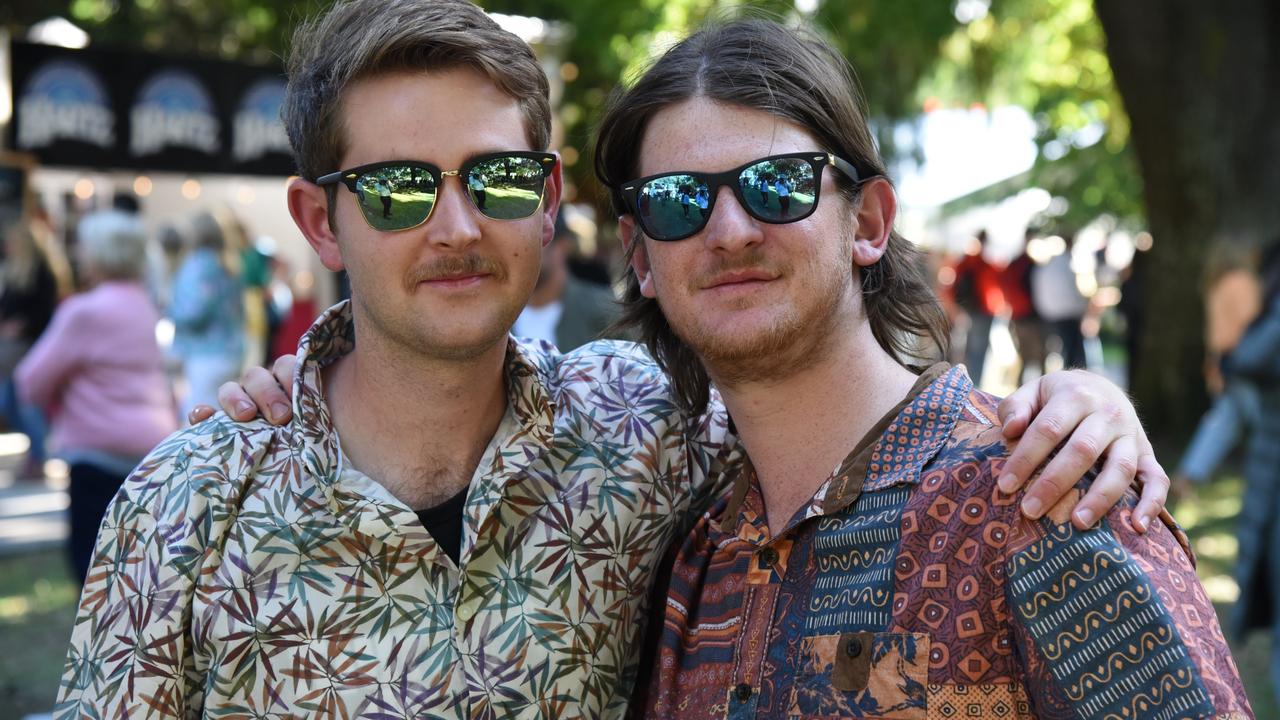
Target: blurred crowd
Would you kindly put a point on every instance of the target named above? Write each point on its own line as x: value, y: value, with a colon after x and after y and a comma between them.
x: 1047, y: 303
x: 106, y: 341
x: 1053, y: 301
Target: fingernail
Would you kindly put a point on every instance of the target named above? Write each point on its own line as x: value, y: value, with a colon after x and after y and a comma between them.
x: 1085, y: 517
x: 1143, y: 522
x: 1031, y: 507
x: 244, y: 407
x: 279, y: 410
x: 1008, y: 482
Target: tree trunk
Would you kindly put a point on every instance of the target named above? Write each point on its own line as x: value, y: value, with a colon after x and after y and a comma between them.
x: 1201, y: 85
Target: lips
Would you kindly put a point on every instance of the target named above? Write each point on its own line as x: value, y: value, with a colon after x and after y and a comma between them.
x: 738, y: 277
x: 454, y: 281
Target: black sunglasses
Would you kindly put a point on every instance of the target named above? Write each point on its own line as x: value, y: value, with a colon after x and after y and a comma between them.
x: 400, y: 194
x: 775, y: 189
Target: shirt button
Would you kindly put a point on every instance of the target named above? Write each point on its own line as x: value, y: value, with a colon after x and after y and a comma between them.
x: 854, y: 648
x: 467, y: 610
x: 768, y: 556
x: 742, y: 692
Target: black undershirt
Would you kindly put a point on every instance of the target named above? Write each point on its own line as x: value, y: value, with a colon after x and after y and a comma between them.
x: 444, y: 522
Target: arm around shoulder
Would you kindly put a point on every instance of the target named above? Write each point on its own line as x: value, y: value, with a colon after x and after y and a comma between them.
x: 1113, y: 623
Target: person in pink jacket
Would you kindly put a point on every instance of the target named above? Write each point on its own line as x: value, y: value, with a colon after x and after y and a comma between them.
x: 97, y: 371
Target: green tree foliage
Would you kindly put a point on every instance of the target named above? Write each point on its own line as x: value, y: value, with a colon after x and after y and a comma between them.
x: 1049, y: 56
x: 249, y: 30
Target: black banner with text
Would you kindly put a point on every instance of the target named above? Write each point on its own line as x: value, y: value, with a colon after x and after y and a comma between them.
x: 110, y: 109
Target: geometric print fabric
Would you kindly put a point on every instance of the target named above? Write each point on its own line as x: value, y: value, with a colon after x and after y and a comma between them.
x: 926, y: 530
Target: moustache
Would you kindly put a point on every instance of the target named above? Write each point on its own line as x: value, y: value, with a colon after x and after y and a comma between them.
x: 453, y: 266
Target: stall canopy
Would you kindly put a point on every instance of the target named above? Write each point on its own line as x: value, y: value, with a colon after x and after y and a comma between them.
x: 115, y: 109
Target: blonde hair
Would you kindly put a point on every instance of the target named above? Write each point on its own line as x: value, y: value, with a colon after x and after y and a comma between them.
x: 29, y: 245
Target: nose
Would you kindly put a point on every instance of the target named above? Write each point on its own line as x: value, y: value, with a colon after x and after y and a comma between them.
x: 454, y: 223
x: 730, y: 228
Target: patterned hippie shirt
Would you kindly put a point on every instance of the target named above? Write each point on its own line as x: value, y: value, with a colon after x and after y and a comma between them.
x: 912, y: 588
x: 239, y: 573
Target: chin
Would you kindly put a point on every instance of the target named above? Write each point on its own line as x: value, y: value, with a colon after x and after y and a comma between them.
x: 460, y: 338
x: 735, y: 344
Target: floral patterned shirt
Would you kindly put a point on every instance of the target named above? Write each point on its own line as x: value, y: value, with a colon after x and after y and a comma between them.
x: 912, y: 588
x: 241, y: 573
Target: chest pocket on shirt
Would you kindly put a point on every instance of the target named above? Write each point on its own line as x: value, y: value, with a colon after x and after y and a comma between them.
x: 863, y: 674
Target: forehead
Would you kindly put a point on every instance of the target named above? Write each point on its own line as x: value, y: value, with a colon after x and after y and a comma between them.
x: 440, y: 116
x: 707, y: 135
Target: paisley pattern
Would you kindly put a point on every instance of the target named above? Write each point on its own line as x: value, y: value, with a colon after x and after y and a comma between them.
x: 911, y: 587
x: 240, y: 573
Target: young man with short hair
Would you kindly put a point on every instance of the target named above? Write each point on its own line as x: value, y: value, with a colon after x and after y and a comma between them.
x: 481, y: 546
x: 902, y: 583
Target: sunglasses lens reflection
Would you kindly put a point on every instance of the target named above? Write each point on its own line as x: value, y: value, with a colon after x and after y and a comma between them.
x: 396, y: 197
x: 673, y: 206
x: 506, y: 188
x: 779, y: 191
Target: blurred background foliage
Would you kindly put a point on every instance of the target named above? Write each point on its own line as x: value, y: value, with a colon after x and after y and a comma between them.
x: 911, y: 55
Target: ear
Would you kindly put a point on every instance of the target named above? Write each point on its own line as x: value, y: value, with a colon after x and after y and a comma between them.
x: 551, y: 202
x: 877, y: 208
x: 628, y: 234
x: 309, y: 206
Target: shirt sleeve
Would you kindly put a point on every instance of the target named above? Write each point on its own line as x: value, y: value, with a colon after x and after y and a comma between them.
x: 132, y: 651
x: 57, y: 355
x: 1110, y: 623
x: 713, y: 457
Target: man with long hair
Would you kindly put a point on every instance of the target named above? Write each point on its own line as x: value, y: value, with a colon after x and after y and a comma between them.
x: 867, y: 562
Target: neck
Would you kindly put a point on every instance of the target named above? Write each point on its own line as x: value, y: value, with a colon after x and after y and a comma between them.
x: 797, y: 429
x: 416, y: 424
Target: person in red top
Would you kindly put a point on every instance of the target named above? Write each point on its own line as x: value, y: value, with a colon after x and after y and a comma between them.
x: 1015, y: 286
x: 976, y: 291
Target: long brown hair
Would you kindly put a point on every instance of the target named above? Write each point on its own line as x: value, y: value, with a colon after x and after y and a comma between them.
x: 793, y: 74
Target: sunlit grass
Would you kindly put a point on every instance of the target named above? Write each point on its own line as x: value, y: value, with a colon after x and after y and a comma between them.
x: 1220, y: 546
x: 37, y: 608
x: 1205, y: 509
x: 1209, y: 517
x: 42, y: 596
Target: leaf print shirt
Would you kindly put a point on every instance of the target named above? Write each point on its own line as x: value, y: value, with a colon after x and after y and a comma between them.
x: 241, y: 572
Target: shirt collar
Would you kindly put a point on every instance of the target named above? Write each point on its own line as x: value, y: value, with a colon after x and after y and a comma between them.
x: 893, y: 451
x: 528, y: 371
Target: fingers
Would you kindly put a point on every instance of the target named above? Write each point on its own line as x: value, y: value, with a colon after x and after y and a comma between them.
x: 267, y: 394
x: 235, y: 402
x: 199, y: 414
x: 1110, y: 485
x: 283, y: 371
x: 1016, y: 410
x: 1046, y: 431
x: 1155, y: 487
x: 1073, y: 460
